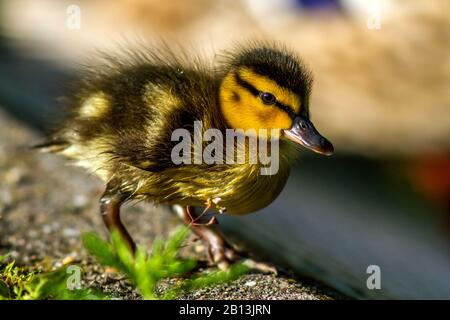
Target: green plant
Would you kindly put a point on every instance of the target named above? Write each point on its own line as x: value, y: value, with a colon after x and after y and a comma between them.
x: 13, y: 279
x: 23, y: 284
x: 146, y: 271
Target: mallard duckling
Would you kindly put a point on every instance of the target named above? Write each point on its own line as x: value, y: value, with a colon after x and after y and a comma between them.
x: 124, y: 115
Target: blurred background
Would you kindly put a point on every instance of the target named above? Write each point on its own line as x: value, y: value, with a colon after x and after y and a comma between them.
x: 381, y: 95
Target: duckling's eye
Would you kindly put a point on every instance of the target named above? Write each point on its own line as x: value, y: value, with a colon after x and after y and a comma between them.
x: 268, y: 98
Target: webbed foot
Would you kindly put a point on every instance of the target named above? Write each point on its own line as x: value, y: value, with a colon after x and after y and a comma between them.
x: 218, y: 251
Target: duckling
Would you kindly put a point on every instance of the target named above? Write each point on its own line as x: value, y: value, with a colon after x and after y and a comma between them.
x: 124, y: 112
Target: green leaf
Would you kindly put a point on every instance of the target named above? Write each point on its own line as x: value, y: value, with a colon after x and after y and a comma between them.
x: 4, y: 290
x: 175, y: 242
x: 100, y: 249
x: 3, y: 257
x: 123, y: 253
x: 209, y: 279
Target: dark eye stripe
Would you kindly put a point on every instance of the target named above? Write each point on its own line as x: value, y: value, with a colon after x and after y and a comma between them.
x: 246, y: 85
x: 257, y: 93
x: 286, y: 109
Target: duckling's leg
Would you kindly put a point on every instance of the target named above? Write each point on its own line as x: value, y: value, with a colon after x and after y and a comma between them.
x: 218, y: 251
x: 110, y: 203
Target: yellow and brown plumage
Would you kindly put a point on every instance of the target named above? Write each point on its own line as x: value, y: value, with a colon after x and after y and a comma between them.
x: 125, y: 111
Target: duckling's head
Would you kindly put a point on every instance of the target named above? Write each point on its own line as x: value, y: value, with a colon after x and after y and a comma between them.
x: 265, y: 87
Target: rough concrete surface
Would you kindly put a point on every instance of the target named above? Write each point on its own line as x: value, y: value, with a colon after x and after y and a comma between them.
x: 46, y: 205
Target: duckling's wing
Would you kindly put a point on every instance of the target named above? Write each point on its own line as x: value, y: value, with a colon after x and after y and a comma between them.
x: 125, y: 109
